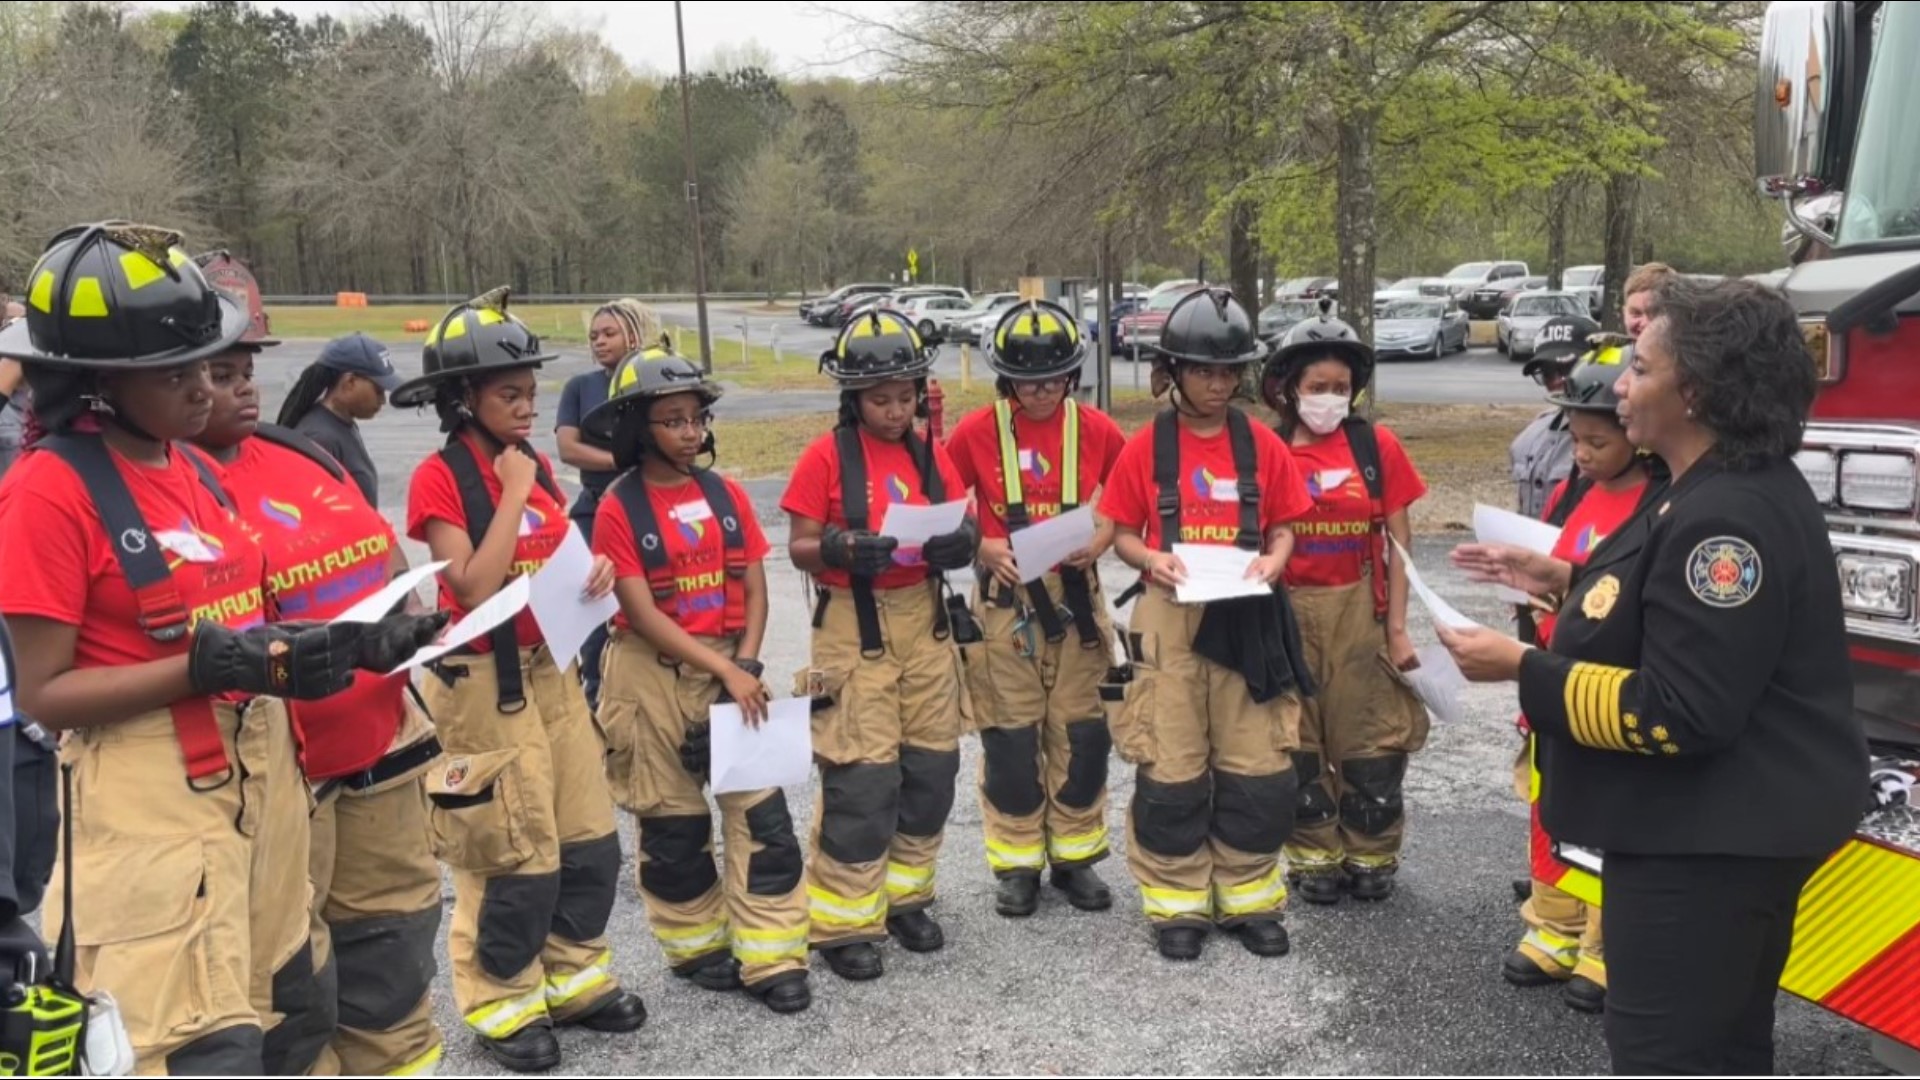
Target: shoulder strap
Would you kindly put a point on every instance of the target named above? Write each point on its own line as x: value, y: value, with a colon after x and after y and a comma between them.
x: 1246, y: 466
x: 1070, y: 455
x: 294, y: 440
x: 1166, y: 475
x: 1365, y: 444
x: 714, y: 488
x: 931, y: 482
x: 853, y: 476
x: 631, y: 490
x: 1010, y: 465
x: 1578, y: 485
x: 478, y: 507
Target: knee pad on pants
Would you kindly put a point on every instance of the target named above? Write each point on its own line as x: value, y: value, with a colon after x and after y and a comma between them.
x: 1171, y: 819
x: 516, y: 911
x: 309, y: 1018
x: 589, y: 876
x: 775, y: 869
x: 385, y: 968
x: 234, y: 1051
x: 926, y: 790
x: 1371, y: 802
x: 1088, y: 745
x: 859, y: 808
x: 1254, y: 814
x: 1315, y: 805
x: 1013, y: 770
x: 678, y: 867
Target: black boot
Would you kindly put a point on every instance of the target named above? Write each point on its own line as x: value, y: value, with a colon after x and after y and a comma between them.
x: 855, y: 963
x: 1371, y: 886
x: 1323, y: 887
x: 784, y: 993
x: 1584, y: 995
x: 916, y: 932
x: 532, y: 1049
x: 1018, y: 895
x: 1083, y: 887
x: 1520, y: 970
x: 1522, y: 890
x: 1181, y: 942
x: 1263, y: 937
x: 621, y: 1014
x: 720, y: 973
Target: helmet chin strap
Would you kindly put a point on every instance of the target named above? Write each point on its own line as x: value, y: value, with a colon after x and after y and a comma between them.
x: 105, y: 409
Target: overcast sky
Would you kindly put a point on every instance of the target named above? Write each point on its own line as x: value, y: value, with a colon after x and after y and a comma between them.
x: 803, y: 37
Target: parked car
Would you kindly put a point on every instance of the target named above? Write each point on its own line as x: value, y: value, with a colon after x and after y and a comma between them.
x: 1128, y: 290
x: 1280, y: 316
x: 1142, y: 328
x: 1304, y: 288
x: 972, y: 326
x: 1589, y: 283
x: 1121, y: 309
x: 1408, y: 288
x: 1333, y: 291
x: 1467, y: 280
x: 818, y: 311
x: 1182, y: 286
x: 1424, y: 327
x: 1520, y: 323
x: 930, y: 312
x: 1492, y: 298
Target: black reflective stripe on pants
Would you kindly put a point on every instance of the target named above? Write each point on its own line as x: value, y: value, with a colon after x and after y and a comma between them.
x: 678, y: 864
x: 775, y: 869
x: 1089, y: 745
x: 589, y: 877
x: 516, y: 911
x: 308, y: 1017
x: 860, y: 807
x: 1254, y: 814
x: 1370, y: 802
x: 926, y: 790
x: 1012, y: 776
x: 386, y: 968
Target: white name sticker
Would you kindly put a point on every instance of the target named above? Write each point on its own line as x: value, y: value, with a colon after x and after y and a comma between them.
x: 187, y: 546
x: 693, y: 511
x: 1226, y: 489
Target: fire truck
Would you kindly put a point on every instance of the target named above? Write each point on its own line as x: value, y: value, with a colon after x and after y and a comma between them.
x: 1837, y: 141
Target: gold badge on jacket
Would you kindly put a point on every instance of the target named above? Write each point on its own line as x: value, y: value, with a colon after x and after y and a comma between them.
x: 1599, y: 600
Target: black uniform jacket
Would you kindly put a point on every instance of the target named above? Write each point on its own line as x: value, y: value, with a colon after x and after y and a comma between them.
x: 1697, y: 697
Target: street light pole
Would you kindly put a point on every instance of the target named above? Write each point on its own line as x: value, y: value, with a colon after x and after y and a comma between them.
x: 693, y: 195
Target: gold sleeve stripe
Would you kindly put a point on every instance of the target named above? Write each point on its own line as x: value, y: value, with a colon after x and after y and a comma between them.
x: 1592, y: 696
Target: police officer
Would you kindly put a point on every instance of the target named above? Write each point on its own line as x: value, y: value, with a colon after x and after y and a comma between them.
x: 1363, y: 721
x: 521, y: 810
x: 885, y: 673
x: 1035, y: 678
x: 1695, y: 709
x: 1213, y: 712
x: 141, y: 625
x: 690, y: 557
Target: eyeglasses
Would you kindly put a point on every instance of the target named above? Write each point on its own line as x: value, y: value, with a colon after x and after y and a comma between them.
x: 1051, y: 386
x: 703, y: 421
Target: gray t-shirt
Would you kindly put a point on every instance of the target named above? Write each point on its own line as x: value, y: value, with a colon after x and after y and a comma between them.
x: 582, y: 393
x: 13, y: 424
x: 341, y: 438
x: 1542, y: 457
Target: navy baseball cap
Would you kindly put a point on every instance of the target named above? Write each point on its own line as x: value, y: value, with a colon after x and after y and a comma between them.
x: 358, y: 354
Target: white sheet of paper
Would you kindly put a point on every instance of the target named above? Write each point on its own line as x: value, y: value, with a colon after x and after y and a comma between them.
x: 1443, y: 613
x: 1216, y: 573
x: 1492, y: 525
x: 565, y: 617
x: 1039, y: 548
x: 914, y: 525
x: 1438, y: 682
x: 505, y: 604
x: 778, y: 754
x: 375, y: 607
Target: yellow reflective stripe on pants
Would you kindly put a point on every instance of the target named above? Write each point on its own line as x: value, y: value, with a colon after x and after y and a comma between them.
x: 1078, y: 848
x: 1561, y: 950
x: 424, y: 1065
x: 1263, y: 894
x: 906, y: 880
x: 683, y: 945
x: 562, y: 990
x: 831, y: 909
x: 1372, y: 862
x: 1002, y: 856
x: 503, y: 1018
x: 770, y: 946
x: 1173, y: 903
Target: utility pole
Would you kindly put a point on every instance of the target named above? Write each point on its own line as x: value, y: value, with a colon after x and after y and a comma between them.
x: 693, y: 195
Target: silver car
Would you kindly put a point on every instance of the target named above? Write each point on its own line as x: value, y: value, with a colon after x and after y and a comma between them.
x: 1429, y: 328
x: 1521, y: 322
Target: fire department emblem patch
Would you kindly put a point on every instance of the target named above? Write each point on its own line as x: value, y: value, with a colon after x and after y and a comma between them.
x: 1724, y: 572
x: 1599, y: 600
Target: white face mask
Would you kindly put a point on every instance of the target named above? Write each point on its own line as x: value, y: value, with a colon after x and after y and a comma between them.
x: 1322, y: 413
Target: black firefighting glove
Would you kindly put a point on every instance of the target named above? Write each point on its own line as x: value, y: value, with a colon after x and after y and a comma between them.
x: 303, y: 661
x: 696, y: 753
x: 864, y: 553
x: 954, y: 550
x: 393, y: 640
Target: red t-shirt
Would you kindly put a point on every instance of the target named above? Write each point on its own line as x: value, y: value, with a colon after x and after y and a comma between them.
x: 1209, y: 499
x: 326, y: 550
x: 892, y: 477
x: 695, y: 547
x: 433, y: 494
x: 1599, y: 515
x: 975, y: 446
x: 1330, y: 543
x: 64, y: 567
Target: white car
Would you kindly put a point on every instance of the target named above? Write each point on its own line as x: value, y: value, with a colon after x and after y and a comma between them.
x: 930, y: 314
x: 1091, y: 297
x: 1408, y: 288
x: 1586, y: 282
x: 1183, y: 285
x: 1520, y: 324
x: 976, y: 324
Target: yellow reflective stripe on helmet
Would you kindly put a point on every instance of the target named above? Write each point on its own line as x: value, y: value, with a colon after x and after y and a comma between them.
x: 490, y: 316
x: 770, y: 946
x: 87, y: 301
x: 140, y: 270
x: 457, y: 327
x: 423, y: 1065
x: 1070, y: 449
x: 178, y: 257
x: 503, y: 1018
x: 904, y: 880
x: 41, y: 295
x: 564, y: 989
x: 626, y: 375
x: 1004, y: 856
x: 1172, y: 903
x: 832, y: 909
x: 1263, y: 894
x: 1009, y: 451
x: 1078, y: 848
x: 686, y: 944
